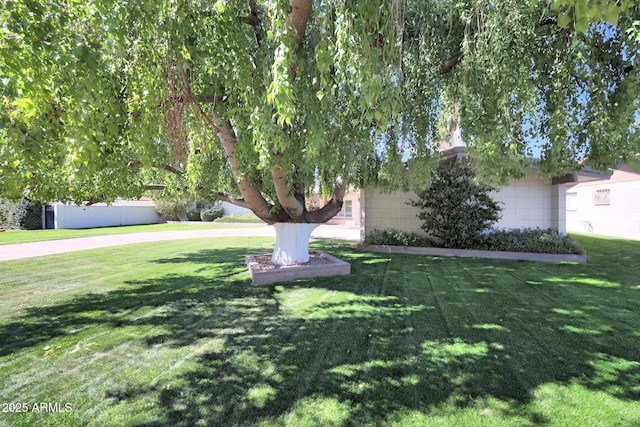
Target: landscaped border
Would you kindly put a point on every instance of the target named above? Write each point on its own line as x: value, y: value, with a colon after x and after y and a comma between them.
x: 472, y: 253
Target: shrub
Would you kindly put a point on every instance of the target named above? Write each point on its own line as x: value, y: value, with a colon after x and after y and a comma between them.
x: 456, y: 208
x: 397, y: 238
x: 25, y: 215
x: 530, y: 240
x: 211, y: 214
x: 173, y: 209
x: 194, y: 215
x: 527, y: 240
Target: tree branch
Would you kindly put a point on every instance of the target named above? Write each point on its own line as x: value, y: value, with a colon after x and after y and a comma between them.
x: 254, y: 20
x: 329, y: 210
x: 211, y: 99
x: 288, y: 201
x: 300, y: 11
x: 250, y: 192
x: 224, y: 197
x: 154, y: 187
x: 191, y: 97
x: 168, y: 168
x: 447, y: 65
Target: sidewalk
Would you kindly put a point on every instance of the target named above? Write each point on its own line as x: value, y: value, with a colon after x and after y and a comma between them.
x: 52, y: 247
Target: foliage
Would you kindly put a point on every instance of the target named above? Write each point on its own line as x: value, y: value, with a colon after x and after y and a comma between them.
x: 255, y: 102
x: 22, y: 215
x: 212, y: 213
x: 173, y: 209
x: 456, y: 208
x: 194, y: 215
x: 393, y: 237
x: 517, y: 240
x: 530, y: 240
x: 580, y: 13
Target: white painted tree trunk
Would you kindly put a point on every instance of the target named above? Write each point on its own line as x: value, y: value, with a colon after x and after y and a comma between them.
x: 292, y: 243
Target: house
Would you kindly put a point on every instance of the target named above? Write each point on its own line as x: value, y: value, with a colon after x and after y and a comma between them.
x: 608, y: 206
x: 350, y: 212
x: 530, y: 202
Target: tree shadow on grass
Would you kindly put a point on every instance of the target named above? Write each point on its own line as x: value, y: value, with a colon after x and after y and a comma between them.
x: 42, y: 324
x: 382, y: 351
x: 401, y: 335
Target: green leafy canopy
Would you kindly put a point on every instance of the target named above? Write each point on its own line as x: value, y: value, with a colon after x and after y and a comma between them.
x: 94, y: 93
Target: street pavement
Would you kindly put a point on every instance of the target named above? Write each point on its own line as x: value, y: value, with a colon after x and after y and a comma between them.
x: 36, y: 249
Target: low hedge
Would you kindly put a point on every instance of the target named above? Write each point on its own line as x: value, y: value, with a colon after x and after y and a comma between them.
x: 194, y: 215
x: 525, y: 240
x: 22, y: 215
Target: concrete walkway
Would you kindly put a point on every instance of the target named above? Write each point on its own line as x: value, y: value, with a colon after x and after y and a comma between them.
x: 35, y: 249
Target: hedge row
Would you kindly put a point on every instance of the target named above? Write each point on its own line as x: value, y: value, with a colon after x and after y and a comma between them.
x: 526, y: 240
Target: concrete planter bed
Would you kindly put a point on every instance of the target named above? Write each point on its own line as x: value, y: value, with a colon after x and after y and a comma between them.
x: 471, y: 253
x: 320, y: 264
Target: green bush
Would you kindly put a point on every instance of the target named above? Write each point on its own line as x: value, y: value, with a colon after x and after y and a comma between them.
x: 392, y: 237
x: 173, y: 209
x: 530, y: 240
x: 527, y: 240
x: 194, y: 215
x: 456, y: 208
x: 211, y: 214
x: 22, y: 215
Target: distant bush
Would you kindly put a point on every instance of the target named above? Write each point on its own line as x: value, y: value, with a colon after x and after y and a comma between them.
x: 240, y: 218
x: 194, y: 215
x: 527, y: 240
x: 173, y: 209
x: 22, y: 215
x: 211, y: 214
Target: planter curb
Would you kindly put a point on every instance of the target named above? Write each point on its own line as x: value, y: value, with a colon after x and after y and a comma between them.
x: 335, y: 267
x: 472, y: 253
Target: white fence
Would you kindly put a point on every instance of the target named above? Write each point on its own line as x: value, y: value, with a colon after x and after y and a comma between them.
x: 102, y: 215
x: 230, y: 209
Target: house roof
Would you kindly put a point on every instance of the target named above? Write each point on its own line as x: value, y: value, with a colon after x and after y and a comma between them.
x: 623, y: 174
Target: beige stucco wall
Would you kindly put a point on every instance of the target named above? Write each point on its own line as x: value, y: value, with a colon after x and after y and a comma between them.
x: 527, y: 203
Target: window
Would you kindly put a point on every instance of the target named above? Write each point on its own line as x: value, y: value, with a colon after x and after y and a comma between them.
x: 602, y: 197
x: 572, y: 201
x: 346, y: 212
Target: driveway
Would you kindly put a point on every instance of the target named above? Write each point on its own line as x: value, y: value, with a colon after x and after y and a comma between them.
x: 52, y: 247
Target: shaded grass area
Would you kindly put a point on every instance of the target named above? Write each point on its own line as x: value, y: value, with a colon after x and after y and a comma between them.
x: 171, y: 333
x: 28, y: 236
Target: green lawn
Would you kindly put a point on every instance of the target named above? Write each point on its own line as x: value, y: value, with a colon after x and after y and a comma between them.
x: 171, y: 333
x: 12, y: 237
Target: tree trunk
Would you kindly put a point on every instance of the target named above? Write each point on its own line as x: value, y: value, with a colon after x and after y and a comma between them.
x: 292, y: 242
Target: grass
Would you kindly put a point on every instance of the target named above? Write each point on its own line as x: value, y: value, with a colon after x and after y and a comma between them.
x: 240, y: 218
x: 20, y: 236
x: 171, y: 333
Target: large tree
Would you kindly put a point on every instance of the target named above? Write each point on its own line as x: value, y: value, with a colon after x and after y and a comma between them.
x: 259, y: 102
